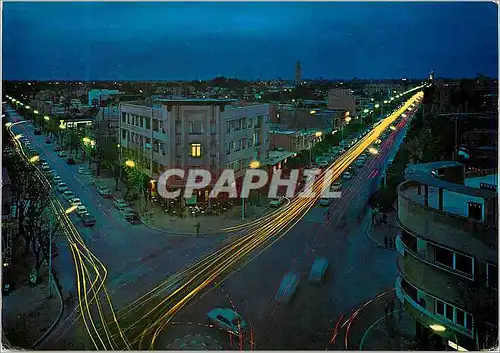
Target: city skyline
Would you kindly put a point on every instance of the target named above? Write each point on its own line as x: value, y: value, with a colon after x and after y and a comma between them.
x: 253, y: 41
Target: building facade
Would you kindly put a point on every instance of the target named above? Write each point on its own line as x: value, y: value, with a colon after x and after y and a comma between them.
x: 293, y: 141
x: 342, y: 99
x: 100, y: 95
x: 211, y: 134
x: 448, y: 255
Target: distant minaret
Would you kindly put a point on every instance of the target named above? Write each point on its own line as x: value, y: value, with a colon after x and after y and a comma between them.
x: 298, y: 72
x: 431, y: 76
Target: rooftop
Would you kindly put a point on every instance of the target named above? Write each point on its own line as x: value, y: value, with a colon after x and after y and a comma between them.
x: 277, y: 156
x: 195, y: 101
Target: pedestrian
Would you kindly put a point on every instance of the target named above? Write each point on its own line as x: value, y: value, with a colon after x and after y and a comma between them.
x: 385, y: 241
x: 390, y: 243
x: 373, y: 218
x: 384, y: 218
x: 198, y: 228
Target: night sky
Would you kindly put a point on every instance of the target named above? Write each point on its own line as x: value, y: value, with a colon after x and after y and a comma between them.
x: 185, y: 41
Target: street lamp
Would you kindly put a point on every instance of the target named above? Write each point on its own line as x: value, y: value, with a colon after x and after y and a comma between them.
x: 35, y: 111
x: 46, y: 118
x: 34, y: 159
x: 386, y: 101
x: 365, y: 111
x: 377, y: 105
x: 254, y: 164
x: 17, y: 137
x: 318, y: 134
x: 130, y: 163
x: 8, y: 124
x: 373, y: 150
x: 28, y: 107
x: 437, y: 328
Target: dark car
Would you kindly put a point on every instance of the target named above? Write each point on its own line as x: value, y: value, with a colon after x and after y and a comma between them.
x: 48, y: 141
x: 131, y: 216
x: 88, y: 219
x: 70, y: 160
x: 38, y: 132
x: 57, y: 148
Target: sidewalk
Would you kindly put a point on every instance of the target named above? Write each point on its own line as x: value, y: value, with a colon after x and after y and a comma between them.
x: 28, y: 312
x: 372, y: 329
x: 379, y: 233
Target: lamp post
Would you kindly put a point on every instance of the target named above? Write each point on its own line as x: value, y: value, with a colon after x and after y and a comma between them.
x: 131, y: 164
x: 51, y: 226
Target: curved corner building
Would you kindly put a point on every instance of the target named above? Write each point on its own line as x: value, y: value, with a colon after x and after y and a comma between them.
x: 448, y: 254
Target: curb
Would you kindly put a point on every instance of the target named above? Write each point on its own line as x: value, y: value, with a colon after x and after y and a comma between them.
x: 179, y: 233
x: 56, y: 321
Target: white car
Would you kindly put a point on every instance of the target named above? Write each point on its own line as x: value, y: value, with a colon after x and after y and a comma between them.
x: 76, y: 202
x: 81, y: 170
x: 347, y: 176
x: 62, y: 187
x: 227, y: 319
x: 56, y: 180
x: 81, y: 210
x: 45, y: 167
x: 62, y: 154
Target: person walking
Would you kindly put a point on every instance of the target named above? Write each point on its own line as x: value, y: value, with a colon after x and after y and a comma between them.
x: 385, y: 241
x: 390, y: 243
x: 198, y: 228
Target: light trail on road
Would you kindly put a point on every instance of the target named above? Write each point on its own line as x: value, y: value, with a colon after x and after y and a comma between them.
x: 265, y: 232
x: 83, y: 260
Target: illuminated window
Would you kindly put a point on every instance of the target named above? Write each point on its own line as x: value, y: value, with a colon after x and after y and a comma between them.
x: 196, y: 150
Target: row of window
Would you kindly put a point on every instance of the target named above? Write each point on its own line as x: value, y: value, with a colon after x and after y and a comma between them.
x: 246, y: 123
x: 242, y: 143
x: 445, y: 310
x: 136, y: 120
x: 238, y: 165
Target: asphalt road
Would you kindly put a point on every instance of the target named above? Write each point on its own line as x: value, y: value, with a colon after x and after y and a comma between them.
x: 358, y: 272
x: 138, y: 258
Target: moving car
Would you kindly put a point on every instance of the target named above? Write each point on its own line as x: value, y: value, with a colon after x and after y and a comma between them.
x: 81, y: 170
x: 288, y: 287
x: 88, y: 219
x: 56, y: 180
x: 276, y: 202
x: 81, y: 210
x: 120, y: 203
x: 318, y: 271
x: 347, y: 176
x: 62, y: 187
x: 70, y: 160
x: 68, y: 195
x: 227, y: 319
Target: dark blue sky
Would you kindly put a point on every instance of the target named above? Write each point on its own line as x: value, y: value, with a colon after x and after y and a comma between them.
x: 176, y: 41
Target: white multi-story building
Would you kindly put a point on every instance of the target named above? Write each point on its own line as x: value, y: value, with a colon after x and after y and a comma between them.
x: 212, y: 134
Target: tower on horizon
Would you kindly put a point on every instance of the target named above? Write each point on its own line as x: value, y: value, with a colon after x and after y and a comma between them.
x: 298, y: 73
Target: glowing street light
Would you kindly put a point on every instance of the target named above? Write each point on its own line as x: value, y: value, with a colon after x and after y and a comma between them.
x: 35, y: 111
x: 71, y: 209
x: 365, y: 111
x: 437, y: 328
x: 8, y: 124
x: 86, y: 140
x: 318, y: 134
x: 28, y: 107
x: 17, y: 137
x: 392, y: 98
x: 377, y: 105
x: 392, y: 127
x: 403, y: 115
x: 313, y: 112
x: 34, y: 159
x: 46, y: 118
x: 254, y: 164
x: 130, y: 163
x: 347, y: 119
x: 373, y: 150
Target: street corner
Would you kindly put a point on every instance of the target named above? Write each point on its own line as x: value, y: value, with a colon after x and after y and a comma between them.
x: 378, y: 324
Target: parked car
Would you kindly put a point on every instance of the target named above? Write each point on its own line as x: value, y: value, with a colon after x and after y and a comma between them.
x: 87, y: 172
x: 276, y: 202
x: 38, y: 132
x: 325, y: 201
x: 45, y: 167
x: 88, y: 219
x: 336, y: 186
x: 120, y: 203
x: 62, y: 187
x: 57, y: 148
x: 287, y: 288
x: 70, y: 160
x: 56, y: 180
x: 360, y: 162
x: 68, y: 195
x: 227, y: 319
x: 76, y: 202
x: 318, y: 271
x: 131, y: 215
x: 81, y: 210
x: 62, y: 154
x: 47, y: 141
x: 347, y: 176
x: 81, y: 170
x: 104, y: 191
